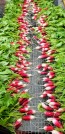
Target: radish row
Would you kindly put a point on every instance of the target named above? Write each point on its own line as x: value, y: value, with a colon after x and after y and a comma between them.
x: 51, y: 106
x: 22, y: 66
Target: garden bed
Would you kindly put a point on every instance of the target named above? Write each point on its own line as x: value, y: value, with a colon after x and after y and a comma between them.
x: 32, y: 67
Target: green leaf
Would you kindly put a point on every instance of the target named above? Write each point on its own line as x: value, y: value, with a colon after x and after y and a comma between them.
x: 59, y: 44
x: 7, y: 71
x: 40, y: 108
x: 25, y: 95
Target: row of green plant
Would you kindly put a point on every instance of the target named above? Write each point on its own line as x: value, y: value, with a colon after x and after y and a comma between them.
x: 9, y: 34
x: 56, y: 36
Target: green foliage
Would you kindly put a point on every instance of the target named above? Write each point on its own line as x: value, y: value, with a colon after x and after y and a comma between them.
x: 8, y: 33
x: 40, y: 108
x: 8, y: 109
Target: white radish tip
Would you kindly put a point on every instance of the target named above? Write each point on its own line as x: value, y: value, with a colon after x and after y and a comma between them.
x: 45, y: 85
x: 60, y: 110
x: 39, y: 57
x: 18, y: 91
x: 39, y: 71
x: 28, y: 67
x: 16, y: 68
x: 48, y: 101
x: 30, y: 99
x: 32, y: 117
x: 19, y: 120
x: 41, y: 96
x: 44, y: 78
x: 47, y: 88
x: 49, y: 119
x: 29, y: 75
x: 20, y: 83
x: 37, y: 67
x: 37, y: 47
x: 24, y: 85
x: 30, y: 63
x: 26, y: 90
x: 45, y: 127
x: 34, y: 111
x: 24, y: 71
x: 48, y: 58
x: 26, y: 108
x: 43, y: 64
x: 42, y: 103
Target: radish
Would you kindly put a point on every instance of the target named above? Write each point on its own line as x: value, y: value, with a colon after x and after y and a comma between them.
x: 45, y: 49
x: 24, y: 91
x: 56, y: 132
x: 49, y: 114
x: 52, y: 114
x: 19, y: 42
x: 45, y: 24
x: 50, y: 100
x: 22, y: 46
x: 22, y: 100
x: 50, y: 61
x: 51, y: 96
x: 14, y: 89
x: 54, y: 103
x: 42, y: 65
x: 18, y: 123
x: 46, y: 79
x: 16, y: 83
x: 45, y: 69
x: 49, y: 92
x: 51, y: 74
x: 40, y: 28
x: 55, y: 122
x: 49, y: 87
x: 24, y: 109
x: 56, y: 114
x: 31, y: 111
x: 23, y: 74
x: 61, y: 110
x: 42, y: 72
x: 39, y: 66
x: 50, y: 58
x: 43, y: 40
x: 26, y: 80
x: 50, y: 68
x: 54, y: 107
x: 28, y: 117
x: 51, y: 52
x: 50, y: 83
x: 34, y: 17
x: 44, y: 94
x: 23, y: 50
x: 48, y: 128
x: 26, y: 102
x: 43, y: 56
x: 15, y: 69
x: 46, y: 107
x: 42, y: 46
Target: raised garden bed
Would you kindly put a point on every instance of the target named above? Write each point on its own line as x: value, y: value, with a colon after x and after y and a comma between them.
x: 32, y: 67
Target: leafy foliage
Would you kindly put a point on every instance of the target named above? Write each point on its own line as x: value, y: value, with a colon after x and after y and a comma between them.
x: 8, y: 33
